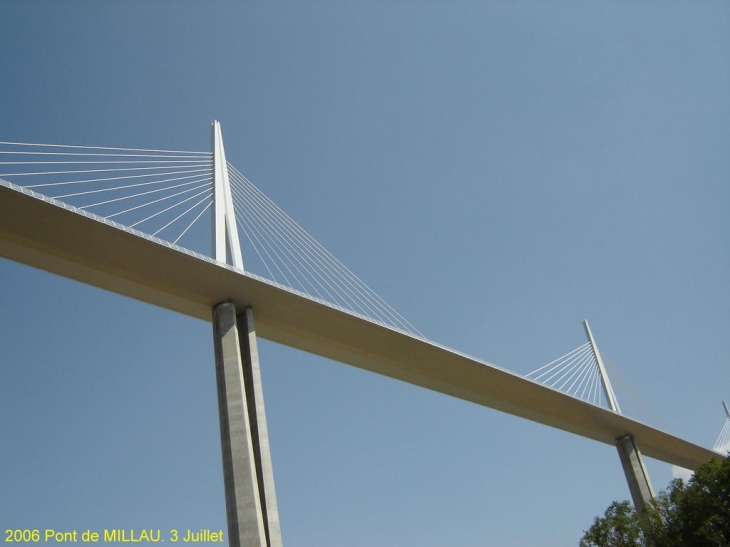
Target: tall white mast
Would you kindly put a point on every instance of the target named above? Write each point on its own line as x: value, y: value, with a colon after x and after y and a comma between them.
x: 226, y: 246
x: 610, y: 395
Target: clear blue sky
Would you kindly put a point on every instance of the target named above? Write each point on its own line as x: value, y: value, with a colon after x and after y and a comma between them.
x: 496, y: 171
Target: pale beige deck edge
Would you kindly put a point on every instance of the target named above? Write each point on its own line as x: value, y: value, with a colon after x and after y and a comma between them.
x: 63, y: 242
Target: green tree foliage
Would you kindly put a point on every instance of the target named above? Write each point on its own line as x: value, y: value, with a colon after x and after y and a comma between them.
x: 691, y: 514
x: 619, y: 527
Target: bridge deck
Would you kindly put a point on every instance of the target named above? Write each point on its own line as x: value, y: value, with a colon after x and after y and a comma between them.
x: 60, y: 241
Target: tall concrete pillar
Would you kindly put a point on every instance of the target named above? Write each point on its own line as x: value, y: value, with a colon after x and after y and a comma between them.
x: 253, y: 517
x: 259, y: 429
x: 636, y: 475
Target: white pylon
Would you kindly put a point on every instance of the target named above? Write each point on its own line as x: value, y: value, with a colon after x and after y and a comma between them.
x: 226, y: 246
x: 607, y: 388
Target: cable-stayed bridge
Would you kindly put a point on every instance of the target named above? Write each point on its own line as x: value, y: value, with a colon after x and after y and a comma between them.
x: 121, y: 219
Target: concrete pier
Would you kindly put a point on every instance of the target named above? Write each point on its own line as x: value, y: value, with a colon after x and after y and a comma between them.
x: 253, y: 517
x: 259, y: 430
x: 636, y: 475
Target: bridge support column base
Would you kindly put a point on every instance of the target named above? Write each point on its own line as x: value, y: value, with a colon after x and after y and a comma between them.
x: 636, y: 475
x: 253, y: 517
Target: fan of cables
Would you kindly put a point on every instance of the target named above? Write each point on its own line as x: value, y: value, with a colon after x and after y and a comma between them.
x: 165, y: 193
x: 575, y: 373
x: 160, y: 192
x: 722, y: 445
